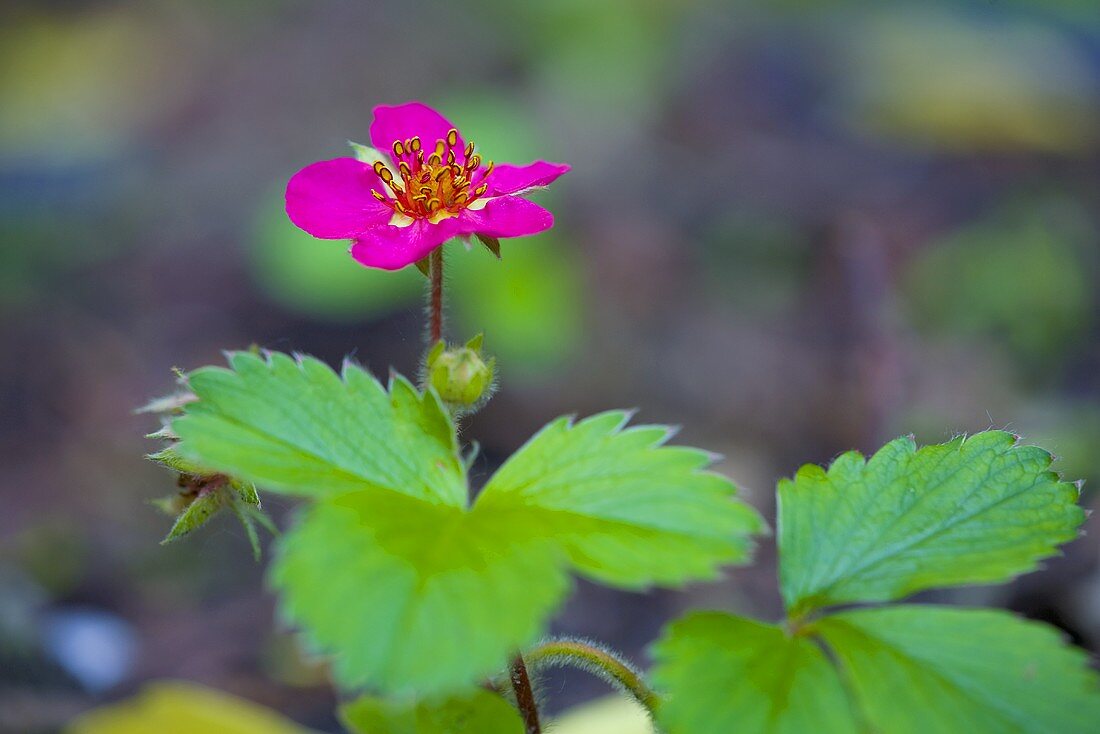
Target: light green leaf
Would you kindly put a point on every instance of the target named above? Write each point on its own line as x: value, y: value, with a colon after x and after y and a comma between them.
x: 413, y: 596
x: 294, y: 426
x: 629, y: 510
x: 610, y: 715
x: 976, y: 510
x: 901, y: 670
x: 728, y: 674
x: 170, y: 458
x: 478, y: 712
x: 368, y: 154
x: 927, y: 669
x: 195, y: 515
x: 245, y: 492
x: 392, y: 574
x: 176, y: 707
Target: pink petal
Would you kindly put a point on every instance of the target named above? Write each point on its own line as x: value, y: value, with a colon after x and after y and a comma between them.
x: 332, y: 199
x: 392, y: 248
x: 508, y: 216
x: 509, y: 179
x: 405, y: 121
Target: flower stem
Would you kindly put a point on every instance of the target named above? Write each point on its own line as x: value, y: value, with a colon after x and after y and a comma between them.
x: 598, y: 661
x: 525, y: 697
x: 435, y: 265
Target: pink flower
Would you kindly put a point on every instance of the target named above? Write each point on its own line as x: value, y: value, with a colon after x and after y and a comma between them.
x: 418, y: 187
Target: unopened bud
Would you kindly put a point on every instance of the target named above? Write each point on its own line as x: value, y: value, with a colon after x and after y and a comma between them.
x: 461, y: 376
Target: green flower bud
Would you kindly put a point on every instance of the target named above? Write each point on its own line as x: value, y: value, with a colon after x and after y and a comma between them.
x: 460, y: 375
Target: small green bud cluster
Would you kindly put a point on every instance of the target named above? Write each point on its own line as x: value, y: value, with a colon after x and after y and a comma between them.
x: 462, y: 376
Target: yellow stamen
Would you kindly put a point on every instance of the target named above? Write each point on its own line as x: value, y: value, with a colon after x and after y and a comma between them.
x: 382, y: 171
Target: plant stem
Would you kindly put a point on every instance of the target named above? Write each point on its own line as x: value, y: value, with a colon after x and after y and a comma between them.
x: 598, y: 661
x: 435, y: 265
x: 525, y: 697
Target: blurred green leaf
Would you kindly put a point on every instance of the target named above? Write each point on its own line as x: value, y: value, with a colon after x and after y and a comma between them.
x: 728, y: 674
x: 172, y: 707
x: 611, y: 715
x: 479, y: 712
x: 923, y: 669
x: 1016, y: 276
x: 974, y: 510
x: 530, y: 304
x: 318, y: 277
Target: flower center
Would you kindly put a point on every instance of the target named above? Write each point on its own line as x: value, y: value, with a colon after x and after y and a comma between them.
x: 433, y: 186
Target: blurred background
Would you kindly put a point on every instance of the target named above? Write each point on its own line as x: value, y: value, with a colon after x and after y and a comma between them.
x: 794, y: 228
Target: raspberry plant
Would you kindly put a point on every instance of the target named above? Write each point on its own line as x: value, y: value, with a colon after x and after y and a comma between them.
x: 432, y: 602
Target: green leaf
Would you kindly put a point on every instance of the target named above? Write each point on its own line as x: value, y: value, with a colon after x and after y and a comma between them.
x: 170, y: 458
x: 176, y: 707
x: 902, y: 670
x: 610, y: 715
x: 247, y: 522
x: 245, y: 492
x: 414, y: 596
x: 294, y: 426
x: 926, y: 669
x: 492, y: 244
x: 976, y: 510
x: 392, y: 569
x: 368, y: 154
x: 195, y: 515
x: 629, y: 510
x: 478, y: 712
x: 728, y: 674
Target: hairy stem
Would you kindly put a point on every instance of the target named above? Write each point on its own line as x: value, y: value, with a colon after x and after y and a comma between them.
x: 435, y: 306
x: 525, y: 697
x: 598, y: 661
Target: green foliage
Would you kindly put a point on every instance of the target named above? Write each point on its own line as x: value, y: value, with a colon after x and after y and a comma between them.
x: 295, y: 426
x: 981, y: 509
x: 982, y: 671
x: 611, y: 715
x: 529, y: 304
x: 175, y: 707
x: 414, y: 596
x: 726, y: 674
x: 1021, y: 275
x: 318, y: 277
x: 909, y: 669
x: 195, y: 515
x: 479, y: 712
x: 974, y: 510
x: 393, y: 573
x: 628, y: 510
